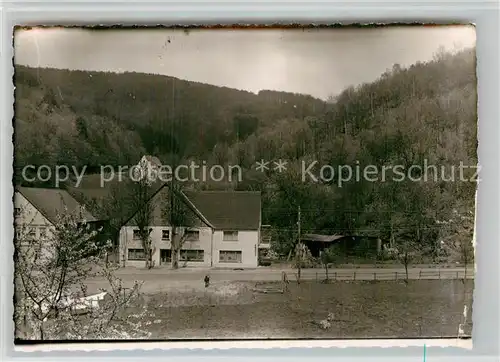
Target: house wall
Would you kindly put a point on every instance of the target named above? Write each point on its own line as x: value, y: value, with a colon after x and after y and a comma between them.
x: 211, y: 242
x: 29, y: 217
x: 29, y: 214
x: 247, y: 243
x: 127, y: 241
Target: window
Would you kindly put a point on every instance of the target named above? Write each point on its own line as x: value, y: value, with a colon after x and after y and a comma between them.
x: 42, y: 232
x: 192, y: 255
x: 18, y: 233
x: 137, y: 234
x: 227, y: 256
x: 192, y: 235
x: 31, y: 232
x: 136, y: 254
x: 165, y: 234
x: 230, y: 236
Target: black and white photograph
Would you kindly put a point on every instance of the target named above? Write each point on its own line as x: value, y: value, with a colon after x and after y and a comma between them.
x: 244, y: 183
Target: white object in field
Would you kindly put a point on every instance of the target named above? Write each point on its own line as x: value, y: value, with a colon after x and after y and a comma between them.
x: 324, y: 324
x: 79, y: 304
x: 91, y: 301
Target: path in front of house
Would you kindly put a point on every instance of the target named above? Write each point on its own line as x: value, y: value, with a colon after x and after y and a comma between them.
x: 164, y: 279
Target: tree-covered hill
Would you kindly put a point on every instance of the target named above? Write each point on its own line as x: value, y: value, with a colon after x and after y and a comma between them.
x: 424, y: 115
x: 93, y: 118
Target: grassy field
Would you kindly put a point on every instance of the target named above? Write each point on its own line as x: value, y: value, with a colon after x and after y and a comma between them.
x: 421, y: 308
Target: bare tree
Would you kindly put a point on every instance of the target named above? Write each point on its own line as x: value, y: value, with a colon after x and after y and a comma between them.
x: 140, y: 199
x: 456, y: 237
x: 51, y: 270
x: 329, y: 256
x: 115, y: 207
x: 299, y: 251
x: 302, y: 258
x: 467, y: 254
x: 406, y: 252
x: 300, y: 248
x: 180, y: 218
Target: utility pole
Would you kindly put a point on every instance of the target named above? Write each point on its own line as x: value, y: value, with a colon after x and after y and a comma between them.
x: 299, y: 251
x: 298, y: 223
x: 172, y: 217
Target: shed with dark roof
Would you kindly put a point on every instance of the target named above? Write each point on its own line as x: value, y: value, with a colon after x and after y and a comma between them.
x: 349, y: 244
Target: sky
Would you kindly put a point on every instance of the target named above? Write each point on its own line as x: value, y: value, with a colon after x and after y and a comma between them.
x: 319, y: 62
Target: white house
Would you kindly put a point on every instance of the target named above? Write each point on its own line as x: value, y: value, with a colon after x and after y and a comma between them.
x: 36, y: 211
x: 224, y: 231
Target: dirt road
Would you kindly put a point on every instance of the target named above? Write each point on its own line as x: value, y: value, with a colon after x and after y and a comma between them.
x: 163, y: 279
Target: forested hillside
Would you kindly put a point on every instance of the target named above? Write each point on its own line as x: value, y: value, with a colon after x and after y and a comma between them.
x: 424, y: 113
x: 94, y: 118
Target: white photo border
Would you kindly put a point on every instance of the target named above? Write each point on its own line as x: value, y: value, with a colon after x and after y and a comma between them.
x: 486, y: 317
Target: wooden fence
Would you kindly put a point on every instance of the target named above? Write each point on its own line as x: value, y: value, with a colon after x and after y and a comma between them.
x: 437, y: 274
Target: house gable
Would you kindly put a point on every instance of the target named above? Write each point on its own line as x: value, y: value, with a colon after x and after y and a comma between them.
x: 26, y: 213
x: 222, y: 210
x: 159, y: 215
x: 236, y: 214
x: 53, y: 202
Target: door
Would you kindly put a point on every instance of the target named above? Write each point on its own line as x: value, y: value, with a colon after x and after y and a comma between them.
x: 165, y: 256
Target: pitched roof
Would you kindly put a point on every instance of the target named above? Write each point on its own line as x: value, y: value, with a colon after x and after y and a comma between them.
x: 90, y: 187
x: 53, y: 202
x: 230, y: 210
x: 237, y: 210
x: 160, y: 197
x: 88, y: 196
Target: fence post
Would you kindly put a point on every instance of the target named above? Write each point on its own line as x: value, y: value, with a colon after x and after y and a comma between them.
x: 354, y: 275
x: 335, y: 276
x: 420, y: 274
x: 457, y: 275
x: 395, y: 275
x: 439, y: 274
x: 375, y: 276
